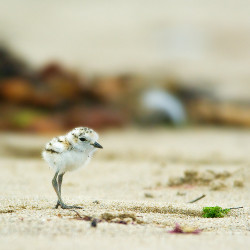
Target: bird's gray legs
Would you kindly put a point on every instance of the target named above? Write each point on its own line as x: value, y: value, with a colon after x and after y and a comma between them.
x: 57, y: 184
x: 60, y: 179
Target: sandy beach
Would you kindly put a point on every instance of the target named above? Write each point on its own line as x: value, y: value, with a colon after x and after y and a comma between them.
x: 137, y: 188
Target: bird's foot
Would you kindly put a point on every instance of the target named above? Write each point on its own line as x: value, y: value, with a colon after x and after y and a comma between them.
x: 57, y: 205
x: 64, y: 206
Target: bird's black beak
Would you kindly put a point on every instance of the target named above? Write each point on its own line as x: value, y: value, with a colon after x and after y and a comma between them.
x: 97, y: 145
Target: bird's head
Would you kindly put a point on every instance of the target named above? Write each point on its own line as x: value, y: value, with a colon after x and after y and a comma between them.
x: 83, y: 138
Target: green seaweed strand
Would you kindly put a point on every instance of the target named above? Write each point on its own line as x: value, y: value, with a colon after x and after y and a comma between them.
x: 214, y: 212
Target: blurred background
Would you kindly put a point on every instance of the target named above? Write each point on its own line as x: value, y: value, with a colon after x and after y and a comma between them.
x: 108, y: 64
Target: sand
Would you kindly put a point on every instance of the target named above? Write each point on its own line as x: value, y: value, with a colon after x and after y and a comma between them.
x: 127, y: 187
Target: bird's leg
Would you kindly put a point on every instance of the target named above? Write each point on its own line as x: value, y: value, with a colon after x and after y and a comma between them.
x: 55, y: 186
x: 58, y: 192
x: 60, y: 179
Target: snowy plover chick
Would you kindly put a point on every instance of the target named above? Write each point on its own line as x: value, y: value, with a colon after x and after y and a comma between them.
x: 67, y: 153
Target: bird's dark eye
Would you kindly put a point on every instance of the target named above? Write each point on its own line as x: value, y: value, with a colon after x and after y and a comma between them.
x: 83, y: 139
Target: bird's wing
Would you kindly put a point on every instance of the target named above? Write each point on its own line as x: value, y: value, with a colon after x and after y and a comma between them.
x: 58, y: 145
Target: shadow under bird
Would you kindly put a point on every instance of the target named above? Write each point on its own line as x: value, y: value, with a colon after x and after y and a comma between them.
x: 68, y: 153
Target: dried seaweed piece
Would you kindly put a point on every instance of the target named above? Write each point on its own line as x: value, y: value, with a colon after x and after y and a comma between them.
x: 148, y: 195
x: 184, y: 230
x: 202, y: 178
x: 84, y: 217
x: 121, y: 218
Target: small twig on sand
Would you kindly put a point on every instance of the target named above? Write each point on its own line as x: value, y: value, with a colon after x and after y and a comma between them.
x: 235, y: 207
x: 199, y: 198
x: 77, y: 213
x: 93, y: 220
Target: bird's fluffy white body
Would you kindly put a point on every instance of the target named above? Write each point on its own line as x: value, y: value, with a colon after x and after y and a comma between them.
x: 69, y: 152
x: 66, y: 161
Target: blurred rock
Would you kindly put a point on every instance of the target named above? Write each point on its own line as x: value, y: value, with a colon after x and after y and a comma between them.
x: 16, y: 90
x: 46, y: 124
x: 214, y: 112
x: 207, y: 176
x: 22, y: 91
x: 62, y: 83
x: 218, y: 185
x: 190, y: 176
x: 57, y: 98
x: 158, y: 106
x: 96, y: 117
x: 11, y: 65
x: 238, y: 183
x: 175, y: 181
x: 113, y: 90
